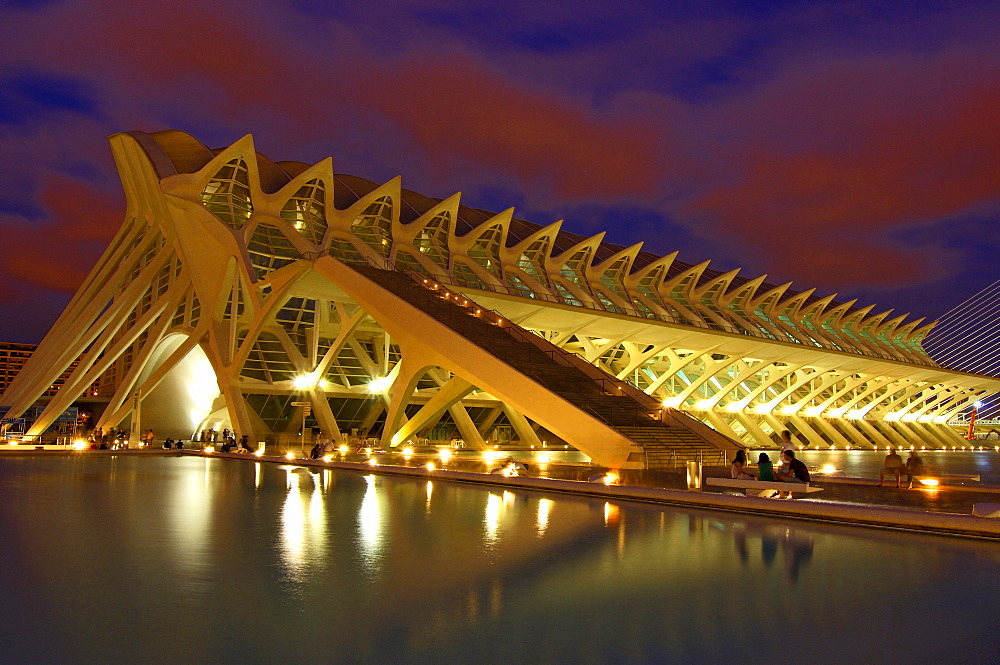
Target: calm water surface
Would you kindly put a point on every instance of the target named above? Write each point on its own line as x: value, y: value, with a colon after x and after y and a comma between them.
x: 188, y: 560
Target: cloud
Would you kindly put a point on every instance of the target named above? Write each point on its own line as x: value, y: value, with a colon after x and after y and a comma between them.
x: 461, y: 114
x: 830, y: 165
x: 57, y: 254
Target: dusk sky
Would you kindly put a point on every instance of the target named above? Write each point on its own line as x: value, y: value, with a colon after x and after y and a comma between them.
x: 838, y: 145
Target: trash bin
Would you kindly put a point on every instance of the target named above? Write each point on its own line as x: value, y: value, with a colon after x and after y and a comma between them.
x: 694, y: 475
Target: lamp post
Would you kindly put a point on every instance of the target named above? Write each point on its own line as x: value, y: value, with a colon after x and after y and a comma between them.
x: 971, y: 434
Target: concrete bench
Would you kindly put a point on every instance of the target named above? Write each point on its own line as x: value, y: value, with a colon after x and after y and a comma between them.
x: 991, y: 510
x: 764, y: 488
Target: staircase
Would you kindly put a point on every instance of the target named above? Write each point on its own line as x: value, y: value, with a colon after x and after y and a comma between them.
x: 614, y: 402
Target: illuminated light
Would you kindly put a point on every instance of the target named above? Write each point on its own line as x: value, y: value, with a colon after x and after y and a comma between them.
x: 850, y: 447
x: 923, y: 447
x: 909, y: 418
x: 323, y: 384
x: 496, y: 447
x: 672, y: 402
x: 611, y: 478
x: 788, y: 409
x: 372, y: 462
x: 289, y: 456
x: 833, y: 447
x: 763, y: 408
x: 209, y: 449
x: 979, y: 404
x: 407, y: 451
x: 836, y: 413
x: 543, y: 459
x: 259, y: 452
x: 431, y: 466
x: 342, y: 449
x: 79, y: 444
x: 304, y: 381
x: 895, y: 415
x: 544, y: 510
x: 379, y: 384
x: 856, y: 414
x: 489, y: 455
x: 926, y: 419
x: 734, y: 407
x: 828, y: 469
x: 368, y: 451
x: 704, y: 404
x: 814, y: 410
x: 930, y: 482
x: 445, y: 455
x: 327, y: 458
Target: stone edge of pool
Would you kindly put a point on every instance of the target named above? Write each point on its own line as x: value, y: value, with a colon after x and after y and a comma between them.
x: 871, y: 516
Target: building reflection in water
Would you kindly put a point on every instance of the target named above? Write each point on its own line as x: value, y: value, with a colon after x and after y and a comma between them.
x: 491, y: 519
x: 303, y: 524
x: 542, y: 520
x: 370, y: 526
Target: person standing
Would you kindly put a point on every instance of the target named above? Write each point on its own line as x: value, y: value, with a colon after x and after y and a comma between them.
x: 786, y: 441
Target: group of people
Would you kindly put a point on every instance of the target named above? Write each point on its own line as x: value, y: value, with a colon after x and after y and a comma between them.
x: 893, y: 465
x: 101, y: 440
x: 321, y: 449
x: 230, y: 445
x: 791, y: 470
x: 794, y: 470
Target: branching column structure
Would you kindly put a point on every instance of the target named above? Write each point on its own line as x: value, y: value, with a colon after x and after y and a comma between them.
x: 228, y: 298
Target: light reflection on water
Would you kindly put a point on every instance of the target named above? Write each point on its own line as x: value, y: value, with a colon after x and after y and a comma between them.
x: 187, y: 560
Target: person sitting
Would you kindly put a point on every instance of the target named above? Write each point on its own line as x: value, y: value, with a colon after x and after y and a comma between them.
x: 796, y: 472
x: 914, y: 468
x: 892, y: 466
x: 765, y: 469
x: 736, y: 469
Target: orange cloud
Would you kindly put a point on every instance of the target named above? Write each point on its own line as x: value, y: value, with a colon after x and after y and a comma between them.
x: 59, y: 253
x: 825, y: 212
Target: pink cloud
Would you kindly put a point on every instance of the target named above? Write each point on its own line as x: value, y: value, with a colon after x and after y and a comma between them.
x: 855, y: 153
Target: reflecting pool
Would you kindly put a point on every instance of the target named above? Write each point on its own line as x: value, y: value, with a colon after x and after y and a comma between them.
x: 189, y: 560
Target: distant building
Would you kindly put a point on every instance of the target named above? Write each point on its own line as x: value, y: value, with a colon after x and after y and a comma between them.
x: 277, y: 297
x: 14, y: 355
